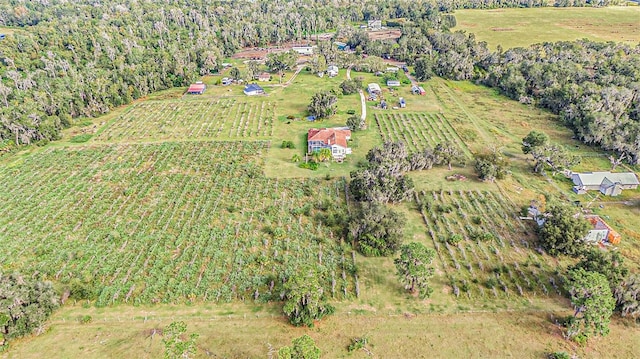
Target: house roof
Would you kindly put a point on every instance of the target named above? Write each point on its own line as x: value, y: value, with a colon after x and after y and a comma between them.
x: 332, y: 67
x: 264, y: 75
x: 393, y: 83
x: 253, y: 88
x: 606, y: 178
x: 598, y: 224
x: 197, y: 87
x: 329, y: 136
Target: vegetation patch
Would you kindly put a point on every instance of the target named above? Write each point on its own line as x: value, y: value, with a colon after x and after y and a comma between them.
x: 166, y: 222
x: 217, y: 118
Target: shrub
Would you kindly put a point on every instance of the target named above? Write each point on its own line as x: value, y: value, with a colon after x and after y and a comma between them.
x: 81, y: 138
x: 455, y: 239
x: 309, y: 165
x: 559, y: 355
x: 351, y: 112
x: 84, y: 319
x: 288, y: 144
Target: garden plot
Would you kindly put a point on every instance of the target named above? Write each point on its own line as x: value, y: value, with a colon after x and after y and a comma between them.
x: 192, y: 119
x: 418, y: 130
x: 483, y: 250
x: 170, y: 222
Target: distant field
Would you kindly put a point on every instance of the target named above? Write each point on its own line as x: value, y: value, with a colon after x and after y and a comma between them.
x: 166, y: 222
x: 218, y: 118
x: 522, y: 27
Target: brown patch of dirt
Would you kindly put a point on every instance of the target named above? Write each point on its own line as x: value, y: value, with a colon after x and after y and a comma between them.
x: 384, y: 34
x: 501, y: 29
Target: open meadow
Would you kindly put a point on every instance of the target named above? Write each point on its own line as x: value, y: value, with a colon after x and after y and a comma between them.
x: 522, y: 27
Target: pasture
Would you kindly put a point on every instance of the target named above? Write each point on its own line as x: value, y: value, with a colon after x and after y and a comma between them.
x: 169, y: 222
x: 522, y: 27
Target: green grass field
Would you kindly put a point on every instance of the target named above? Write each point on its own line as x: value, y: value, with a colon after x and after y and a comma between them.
x: 522, y: 27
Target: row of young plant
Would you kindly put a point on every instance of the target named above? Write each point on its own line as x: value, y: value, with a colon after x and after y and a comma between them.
x: 418, y: 130
x: 483, y: 249
x: 197, y: 119
x: 166, y: 223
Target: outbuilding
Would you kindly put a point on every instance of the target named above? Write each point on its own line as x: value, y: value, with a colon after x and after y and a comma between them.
x: 253, y: 90
x: 197, y: 88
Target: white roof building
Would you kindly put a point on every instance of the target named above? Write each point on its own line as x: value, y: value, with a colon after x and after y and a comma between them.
x: 610, y: 184
x: 374, y: 88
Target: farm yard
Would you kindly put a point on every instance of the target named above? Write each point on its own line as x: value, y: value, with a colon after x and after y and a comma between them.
x: 216, y: 118
x: 170, y: 222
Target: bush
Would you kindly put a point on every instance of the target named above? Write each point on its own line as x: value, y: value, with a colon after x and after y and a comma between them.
x: 81, y: 138
x: 455, y: 239
x: 288, y: 144
x: 351, y: 112
x: 559, y: 355
x: 309, y: 165
x: 85, y: 319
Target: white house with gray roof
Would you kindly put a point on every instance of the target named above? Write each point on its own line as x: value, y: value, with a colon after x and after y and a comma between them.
x: 609, y: 184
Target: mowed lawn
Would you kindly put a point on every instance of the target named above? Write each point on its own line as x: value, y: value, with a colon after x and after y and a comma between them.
x: 522, y: 27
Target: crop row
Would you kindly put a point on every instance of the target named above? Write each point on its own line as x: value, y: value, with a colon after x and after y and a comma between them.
x: 418, y: 130
x: 195, y: 119
x: 166, y: 222
x: 483, y: 248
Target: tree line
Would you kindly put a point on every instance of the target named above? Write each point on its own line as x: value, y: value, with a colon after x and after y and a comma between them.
x: 80, y: 59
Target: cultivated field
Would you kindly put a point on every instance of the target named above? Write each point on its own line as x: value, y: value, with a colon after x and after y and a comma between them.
x: 494, y: 255
x: 216, y: 118
x: 522, y: 27
x: 418, y: 130
x: 166, y: 222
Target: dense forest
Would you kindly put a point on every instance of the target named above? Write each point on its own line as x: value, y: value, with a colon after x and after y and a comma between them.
x: 72, y: 59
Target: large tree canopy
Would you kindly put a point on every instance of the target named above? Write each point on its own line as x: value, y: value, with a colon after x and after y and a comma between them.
x: 376, y: 230
x: 593, y: 300
x: 563, y: 232
x: 414, y: 268
x: 25, y: 304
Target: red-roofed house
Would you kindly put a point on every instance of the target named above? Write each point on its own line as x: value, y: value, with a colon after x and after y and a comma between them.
x: 601, y: 232
x: 197, y: 88
x: 332, y: 138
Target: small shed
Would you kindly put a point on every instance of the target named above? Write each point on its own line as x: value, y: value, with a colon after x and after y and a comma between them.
x: 265, y: 76
x: 253, y: 90
x: 197, y: 88
x: 374, y: 89
x: 341, y: 46
x: 303, y: 50
x: 332, y: 71
x: 393, y: 83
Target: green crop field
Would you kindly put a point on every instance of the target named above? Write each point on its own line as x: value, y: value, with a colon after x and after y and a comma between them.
x: 494, y: 255
x: 219, y: 118
x: 166, y: 222
x: 419, y: 131
x: 522, y: 27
